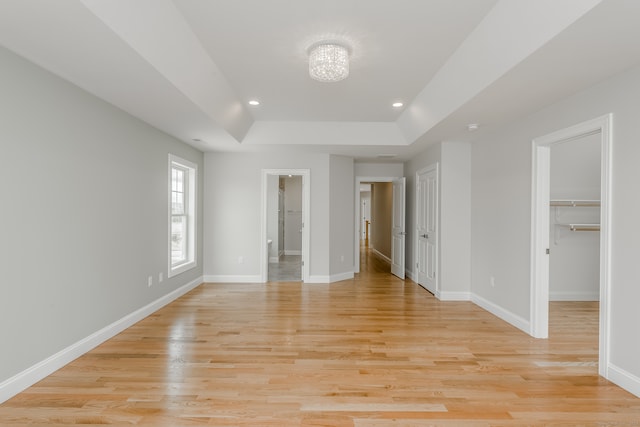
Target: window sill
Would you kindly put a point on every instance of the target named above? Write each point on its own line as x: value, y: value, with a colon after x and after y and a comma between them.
x: 174, y: 271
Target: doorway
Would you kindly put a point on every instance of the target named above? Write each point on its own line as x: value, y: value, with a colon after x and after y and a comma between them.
x: 574, y: 223
x: 285, y: 225
x: 395, y: 213
x: 284, y: 228
x: 541, y: 233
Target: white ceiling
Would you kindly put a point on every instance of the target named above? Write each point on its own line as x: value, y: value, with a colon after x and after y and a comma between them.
x: 189, y: 67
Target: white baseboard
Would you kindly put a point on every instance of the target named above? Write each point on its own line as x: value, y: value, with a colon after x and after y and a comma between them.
x: 292, y: 252
x: 624, y: 379
x: 453, y: 296
x: 574, y: 296
x: 347, y: 275
x: 410, y: 275
x: 502, y: 313
x: 42, y: 369
x: 256, y: 279
x: 380, y: 254
x: 332, y: 278
x: 233, y: 279
x: 422, y: 285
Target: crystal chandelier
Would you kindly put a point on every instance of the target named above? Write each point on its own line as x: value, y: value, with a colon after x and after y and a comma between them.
x: 328, y: 62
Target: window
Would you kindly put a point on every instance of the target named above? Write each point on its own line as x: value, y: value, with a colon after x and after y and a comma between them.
x: 182, y: 215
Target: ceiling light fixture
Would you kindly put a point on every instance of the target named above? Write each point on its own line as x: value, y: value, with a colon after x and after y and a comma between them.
x: 328, y: 62
x: 254, y: 102
x: 397, y: 104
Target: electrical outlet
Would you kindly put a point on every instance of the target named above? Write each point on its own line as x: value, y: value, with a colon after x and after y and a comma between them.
x: 150, y: 281
x: 240, y: 259
x: 492, y: 280
x: 160, y: 277
x: 341, y: 258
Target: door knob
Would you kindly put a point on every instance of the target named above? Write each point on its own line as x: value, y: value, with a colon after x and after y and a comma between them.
x: 426, y: 236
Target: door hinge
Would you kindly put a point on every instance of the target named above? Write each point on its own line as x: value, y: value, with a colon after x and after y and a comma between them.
x: 302, y: 263
x: 548, y: 251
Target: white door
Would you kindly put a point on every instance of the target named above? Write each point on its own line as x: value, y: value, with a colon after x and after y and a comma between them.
x: 427, y: 220
x: 397, y: 228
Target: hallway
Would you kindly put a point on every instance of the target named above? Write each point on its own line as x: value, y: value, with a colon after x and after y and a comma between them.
x: 372, y: 351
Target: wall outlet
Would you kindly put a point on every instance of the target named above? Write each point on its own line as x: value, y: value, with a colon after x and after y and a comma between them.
x: 341, y: 258
x: 492, y: 280
x: 160, y: 277
x: 150, y: 281
x: 240, y: 259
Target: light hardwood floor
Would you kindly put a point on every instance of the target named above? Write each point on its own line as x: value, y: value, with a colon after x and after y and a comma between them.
x: 374, y: 351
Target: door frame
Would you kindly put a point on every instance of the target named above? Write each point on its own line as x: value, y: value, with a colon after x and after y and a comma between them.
x: 306, y: 224
x: 360, y: 180
x: 541, y: 170
x: 432, y: 167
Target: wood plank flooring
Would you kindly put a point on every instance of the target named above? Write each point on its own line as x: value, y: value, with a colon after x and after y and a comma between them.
x: 373, y: 351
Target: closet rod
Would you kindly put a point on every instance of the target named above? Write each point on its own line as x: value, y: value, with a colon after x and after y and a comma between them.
x: 582, y: 227
x: 574, y: 203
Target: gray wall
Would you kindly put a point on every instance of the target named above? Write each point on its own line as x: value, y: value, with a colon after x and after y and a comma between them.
x: 232, y: 211
x: 455, y: 220
x: 501, y: 207
x: 341, y: 215
x: 387, y: 170
x: 84, y: 217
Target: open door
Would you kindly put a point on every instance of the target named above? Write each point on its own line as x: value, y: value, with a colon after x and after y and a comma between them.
x: 427, y: 220
x: 397, y: 228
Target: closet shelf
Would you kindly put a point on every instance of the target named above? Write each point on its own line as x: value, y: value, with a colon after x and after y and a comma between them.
x: 581, y: 227
x: 574, y: 203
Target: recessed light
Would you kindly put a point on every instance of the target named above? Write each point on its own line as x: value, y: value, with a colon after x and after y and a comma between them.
x: 254, y: 102
x: 397, y: 104
x: 472, y: 126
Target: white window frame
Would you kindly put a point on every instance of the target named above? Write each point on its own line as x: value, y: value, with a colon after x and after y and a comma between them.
x: 190, y: 205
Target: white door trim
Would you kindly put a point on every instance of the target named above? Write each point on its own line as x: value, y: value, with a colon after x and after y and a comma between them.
x: 416, y: 250
x: 306, y: 214
x: 360, y: 180
x: 541, y: 168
